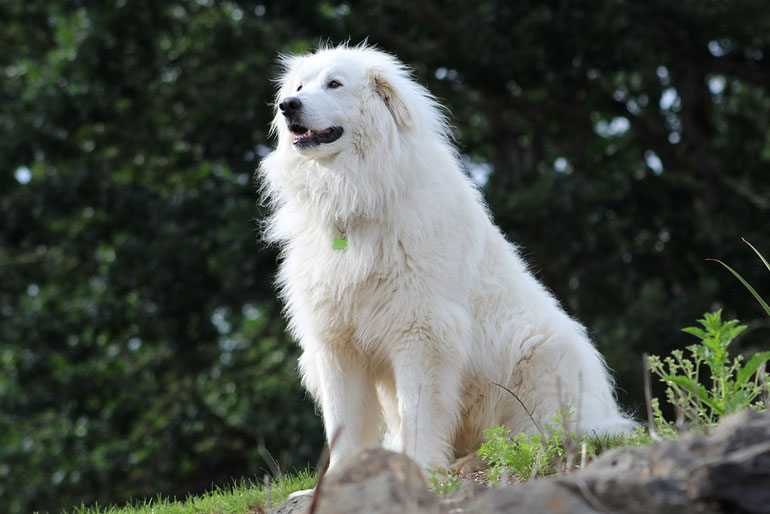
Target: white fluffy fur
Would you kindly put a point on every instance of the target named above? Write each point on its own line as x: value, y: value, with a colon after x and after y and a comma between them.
x: 405, y: 333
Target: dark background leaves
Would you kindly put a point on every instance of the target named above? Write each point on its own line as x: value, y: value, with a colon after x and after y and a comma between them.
x: 141, y: 347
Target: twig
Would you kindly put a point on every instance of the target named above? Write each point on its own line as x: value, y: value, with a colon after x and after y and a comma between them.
x: 570, y: 442
x: 326, y: 457
x: 589, y: 496
x: 416, y: 420
x: 579, y: 405
x: 505, y: 477
x: 765, y: 390
x: 648, y: 397
x: 679, y: 416
x: 559, y: 391
x: 268, y: 492
x: 275, y: 466
x: 535, y: 466
x: 739, y: 456
x: 523, y: 406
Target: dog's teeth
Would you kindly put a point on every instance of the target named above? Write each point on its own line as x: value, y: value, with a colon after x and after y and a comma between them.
x: 308, y: 133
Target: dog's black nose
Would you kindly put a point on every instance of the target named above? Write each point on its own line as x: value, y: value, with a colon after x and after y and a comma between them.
x: 290, y: 105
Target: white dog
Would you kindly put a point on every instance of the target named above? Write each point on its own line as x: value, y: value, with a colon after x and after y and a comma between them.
x: 408, y: 303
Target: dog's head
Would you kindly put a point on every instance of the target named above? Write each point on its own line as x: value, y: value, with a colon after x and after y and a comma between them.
x: 342, y: 98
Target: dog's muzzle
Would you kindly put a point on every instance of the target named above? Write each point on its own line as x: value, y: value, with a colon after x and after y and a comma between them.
x: 291, y: 109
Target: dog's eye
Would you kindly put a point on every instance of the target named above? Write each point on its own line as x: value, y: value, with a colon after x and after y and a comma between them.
x: 334, y: 84
x: 299, y: 88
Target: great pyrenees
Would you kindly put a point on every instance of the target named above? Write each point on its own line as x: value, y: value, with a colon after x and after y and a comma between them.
x: 413, y: 312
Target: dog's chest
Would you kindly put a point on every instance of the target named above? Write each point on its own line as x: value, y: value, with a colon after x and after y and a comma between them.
x: 347, y: 294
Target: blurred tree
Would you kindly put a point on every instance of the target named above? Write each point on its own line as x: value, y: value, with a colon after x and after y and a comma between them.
x: 627, y: 141
x: 141, y: 347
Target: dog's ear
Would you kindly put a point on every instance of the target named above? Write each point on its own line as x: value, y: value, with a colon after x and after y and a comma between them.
x: 393, y: 101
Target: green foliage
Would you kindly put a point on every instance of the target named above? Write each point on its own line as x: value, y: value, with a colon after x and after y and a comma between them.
x: 532, y: 455
x: 663, y: 428
x: 596, y: 444
x: 524, y: 453
x: 142, y: 349
x: 443, y: 482
x: 141, y: 345
x: 733, y: 384
x: 528, y: 455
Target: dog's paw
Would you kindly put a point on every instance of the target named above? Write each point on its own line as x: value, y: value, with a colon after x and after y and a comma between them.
x: 303, y: 492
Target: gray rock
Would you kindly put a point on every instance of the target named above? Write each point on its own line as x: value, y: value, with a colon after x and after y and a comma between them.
x: 375, y: 481
x: 458, y: 500
x: 536, y: 497
x: 735, y: 470
x: 727, y: 471
x: 293, y: 505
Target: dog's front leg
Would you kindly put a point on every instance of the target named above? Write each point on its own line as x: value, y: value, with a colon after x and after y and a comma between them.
x: 427, y: 387
x: 349, y: 404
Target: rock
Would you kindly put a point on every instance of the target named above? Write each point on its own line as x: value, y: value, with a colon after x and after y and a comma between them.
x: 535, y: 497
x: 375, y: 481
x: 458, y: 500
x: 735, y: 471
x: 293, y: 505
x: 727, y: 471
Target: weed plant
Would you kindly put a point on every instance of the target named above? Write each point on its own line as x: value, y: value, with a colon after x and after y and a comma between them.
x: 553, y: 450
x: 734, y: 385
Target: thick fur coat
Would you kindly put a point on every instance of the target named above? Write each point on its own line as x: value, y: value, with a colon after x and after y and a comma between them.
x: 424, y: 307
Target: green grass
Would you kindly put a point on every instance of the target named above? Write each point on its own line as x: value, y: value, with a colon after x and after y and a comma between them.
x: 246, y: 497
x: 553, y: 450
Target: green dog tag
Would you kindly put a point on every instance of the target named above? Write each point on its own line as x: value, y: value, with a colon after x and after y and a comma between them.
x: 340, y: 243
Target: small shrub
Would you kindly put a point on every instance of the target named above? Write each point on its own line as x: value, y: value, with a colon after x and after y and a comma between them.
x: 734, y: 385
x: 443, y: 482
x: 522, y: 454
x: 532, y: 455
x: 527, y: 455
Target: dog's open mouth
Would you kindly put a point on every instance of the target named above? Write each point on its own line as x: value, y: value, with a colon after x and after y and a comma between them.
x: 305, y: 137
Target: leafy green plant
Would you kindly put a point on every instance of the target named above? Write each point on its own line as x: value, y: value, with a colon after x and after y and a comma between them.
x: 522, y: 453
x: 528, y: 455
x: 734, y: 384
x: 550, y: 451
x: 663, y: 428
x: 443, y: 482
